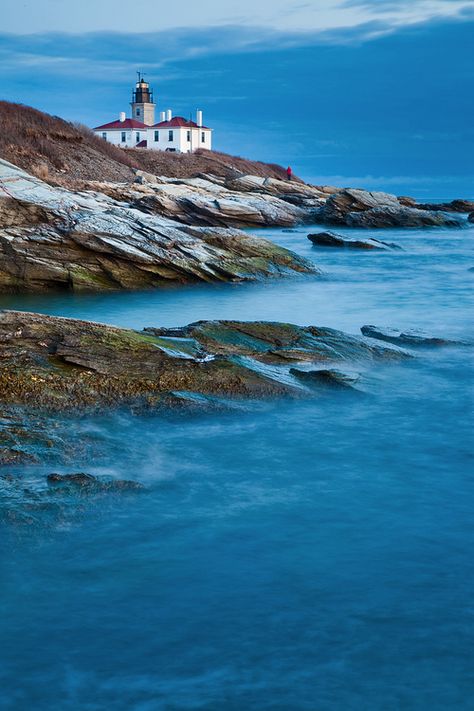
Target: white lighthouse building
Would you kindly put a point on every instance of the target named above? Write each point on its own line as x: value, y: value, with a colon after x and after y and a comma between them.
x: 174, y: 134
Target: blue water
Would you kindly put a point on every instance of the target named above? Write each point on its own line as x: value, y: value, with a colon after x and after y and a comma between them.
x: 313, y: 555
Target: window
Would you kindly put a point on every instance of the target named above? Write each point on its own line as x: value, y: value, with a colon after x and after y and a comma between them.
x: 104, y: 136
x: 157, y: 135
x: 137, y: 137
x: 137, y: 113
x: 124, y: 137
x: 170, y: 135
x: 203, y: 137
x: 189, y: 136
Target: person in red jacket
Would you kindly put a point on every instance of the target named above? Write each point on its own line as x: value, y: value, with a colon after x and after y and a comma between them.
x: 289, y: 173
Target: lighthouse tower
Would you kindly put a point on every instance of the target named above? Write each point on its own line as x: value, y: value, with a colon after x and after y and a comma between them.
x: 143, y: 108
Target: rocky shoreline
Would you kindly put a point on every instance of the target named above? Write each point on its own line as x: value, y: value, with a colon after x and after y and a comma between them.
x: 55, y: 365
x: 53, y: 238
x: 158, y: 231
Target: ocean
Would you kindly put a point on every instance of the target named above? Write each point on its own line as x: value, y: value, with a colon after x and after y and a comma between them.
x: 312, y: 555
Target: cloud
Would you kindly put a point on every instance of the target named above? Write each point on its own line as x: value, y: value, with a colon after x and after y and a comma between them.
x: 331, y: 103
x: 42, y: 16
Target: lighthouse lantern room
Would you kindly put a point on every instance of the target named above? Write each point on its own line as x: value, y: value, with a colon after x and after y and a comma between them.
x: 143, y: 108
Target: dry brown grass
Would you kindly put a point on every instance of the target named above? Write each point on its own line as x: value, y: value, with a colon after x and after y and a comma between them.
x: 188, y: 165
x: 62, y: 152
x: 50, y: 146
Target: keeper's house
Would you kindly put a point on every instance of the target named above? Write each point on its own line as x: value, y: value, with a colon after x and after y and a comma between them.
x: 175, y: 134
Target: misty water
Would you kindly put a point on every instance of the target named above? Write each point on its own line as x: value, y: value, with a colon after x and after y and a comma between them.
x: 312, y: 555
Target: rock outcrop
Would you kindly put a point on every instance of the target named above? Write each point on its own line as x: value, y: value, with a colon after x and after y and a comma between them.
x: 360, y: 208
x: 53, y: 238
x: 59, y: 364
x: 55, y: 369
x: 210, y: 200
x: 461, y: 206
x: 410, y: 337
x: 332, y: 239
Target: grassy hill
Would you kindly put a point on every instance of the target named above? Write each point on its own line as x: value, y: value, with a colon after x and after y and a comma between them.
x: 62, y: 152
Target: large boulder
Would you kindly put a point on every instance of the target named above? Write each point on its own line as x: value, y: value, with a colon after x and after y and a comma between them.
x: 53, y: 238
x: 360, y: 208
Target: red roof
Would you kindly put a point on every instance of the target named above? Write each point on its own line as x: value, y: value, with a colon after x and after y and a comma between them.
x: 179, y: 122
x: 128, y: 123
x: 142, y: 144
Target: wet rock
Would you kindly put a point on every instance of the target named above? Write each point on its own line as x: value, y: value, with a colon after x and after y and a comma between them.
x: 60, y: 364
x: 411, y: 337
x: 360, y: 208
x: 53, y: 238
x: 273, y: 342
x: 326, y: 379
x: 453, y: 206
x: 332, y: 239
x: 407, y: 201
x: 92, y: 484
x: 10, y: 455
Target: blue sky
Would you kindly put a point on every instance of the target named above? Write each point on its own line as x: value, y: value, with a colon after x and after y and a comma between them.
x: 371, y: 93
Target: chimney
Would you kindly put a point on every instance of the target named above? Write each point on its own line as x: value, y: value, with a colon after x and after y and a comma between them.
x: 199, y: 118
x: 169, y: 115
x: 122, y: 116
x: 162, y: 116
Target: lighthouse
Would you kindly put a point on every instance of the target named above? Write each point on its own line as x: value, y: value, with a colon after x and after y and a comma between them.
x: 173, y: 134
x: 143, y: 108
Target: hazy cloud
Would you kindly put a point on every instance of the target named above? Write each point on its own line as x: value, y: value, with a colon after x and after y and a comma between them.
x: 41, y: 16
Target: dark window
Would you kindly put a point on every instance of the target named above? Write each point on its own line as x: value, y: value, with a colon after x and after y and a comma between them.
x: 203, y: 137
x: 138, y: 137
x: 157, y: 135
x: 138, y: 112
x: 189, y: 136
x: 170, y: 135
x: 124, y: 137
x: 104, y: 136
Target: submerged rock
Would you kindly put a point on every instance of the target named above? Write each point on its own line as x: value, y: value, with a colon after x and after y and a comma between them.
x: 333, y: 239
x: 411, y: 337
x: 332, y: 379
x: 53, y: 238
x: 11, y: 455
x: 86, y: 483
x: 360, y: 208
